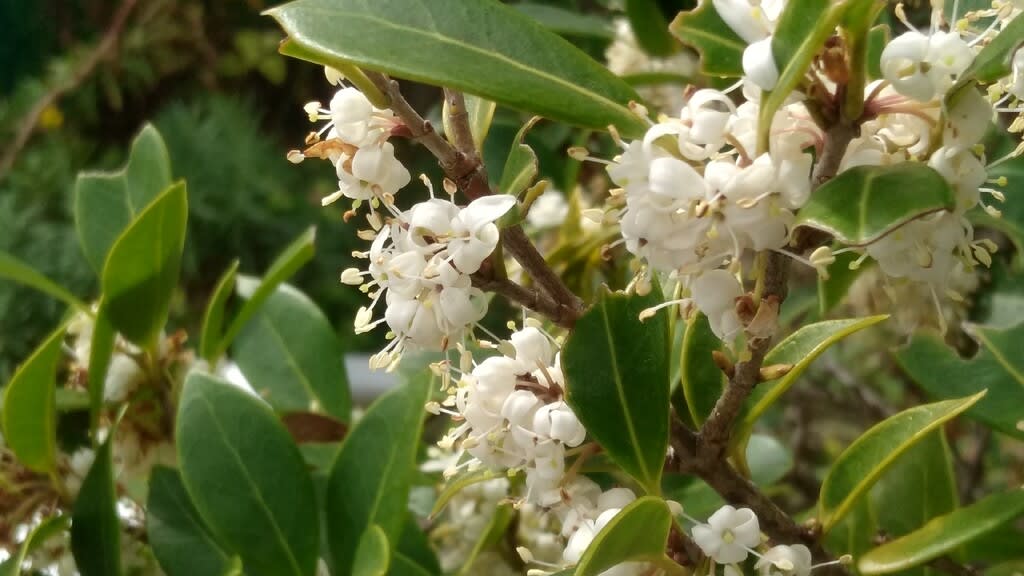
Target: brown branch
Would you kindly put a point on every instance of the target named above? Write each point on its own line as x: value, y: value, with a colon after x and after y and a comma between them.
x: 531, y: 298
x: 463, y: 166
x: 84, y: 70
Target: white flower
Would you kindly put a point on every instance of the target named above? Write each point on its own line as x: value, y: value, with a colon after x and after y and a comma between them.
x: 715, y: 293
x: 372, y: 171
x: 558, y: 422
x: 759, y: 64
x: 964, y: 172
x: 922, y: 67
x: 967, y: 120
x: 785, y: 561
x: 548, y: 211
x: 728, y: 534
x: 474, y: 233
x: 351, y: 113
x: 749, y: 20
x: 1017, y: 77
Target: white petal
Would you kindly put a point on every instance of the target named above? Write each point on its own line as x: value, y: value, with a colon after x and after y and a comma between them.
x: 759, y: 64
x: 486, y: 210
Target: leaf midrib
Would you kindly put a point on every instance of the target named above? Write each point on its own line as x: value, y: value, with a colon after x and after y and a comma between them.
x: 253, y: 489
x: 485, y: 53
x: 1000, y: 358
x: 290, y: 359
x: 620, y: 390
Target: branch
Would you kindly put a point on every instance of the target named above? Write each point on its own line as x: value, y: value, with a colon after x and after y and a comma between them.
x: 83, y: 71
x: 463, y: 166
x: 529, y: 297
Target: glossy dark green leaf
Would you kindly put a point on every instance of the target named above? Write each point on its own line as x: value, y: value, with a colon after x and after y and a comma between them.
x: 855, y: 534
x: 246, y: 478
x: 919, y: 486
x: 866, y: 459
x: 617, y: 376
x: 650, y: 27
x: 479, y: 113
x: 38, y: 536
x: 997, y: 367
x: 369, y: 483
x: 290, y: 354
x: 213, y: 319
x: 994, y: 60
x: 29, y: 406
x: 865, y: 203
x: 721, y: 49
x: 482, y: 47
x: 294, y: 256
x: 373, y: 554
x: 106, y: 203
x: 18, y: 271
x: 944, y: 535
x: 414, y: 556
x: 701, y: 379
x: 567, y: 22
x: 101, y: 350
x: 141, y: 271
x: 521, y: 164
x: 181, y: 541
x: 95, y: 526
x: 799, y: 349
x: 638, y: 532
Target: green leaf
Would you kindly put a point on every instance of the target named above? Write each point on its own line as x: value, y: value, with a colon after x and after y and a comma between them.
x: 369, y: 483
x: 638, y: 532
x: 945, y: 534
x: 855, y: 533
x: 181, y: 542
x: 101, y: 350
x: 37, y: 537
x: 482, y: 47
x: 458, y: 484
x: 799, y: 349
x: 14, y: 269
x: 833, y: 290
x: 521, y: 164
x: 373, y: 554
x: 141, y: 272
x: 997, y: 367
x: 480, y: 113
x: 701, y: 379
x: 106, y: 203
x: 864, y: 461
x: 865, y: 203
x: 213, y: 319
x: 567, y: 22
x: 30, y: 410
x: 994, y: 60
x: 95, y: 526
x: 291, y: 356
x: 650, y: 27
x: 414, y: 556
x: 878, y: 38
x: 284, y: 266
x: 246, y: 478
x: 617, y: 371
x: 721, y: 49
x: 919, y: 486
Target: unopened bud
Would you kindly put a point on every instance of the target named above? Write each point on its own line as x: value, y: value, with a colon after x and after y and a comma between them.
x: 723, y: 362
x: 774, y: 372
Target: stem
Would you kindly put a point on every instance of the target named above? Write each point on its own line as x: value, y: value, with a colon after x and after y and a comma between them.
x: 463, y: 166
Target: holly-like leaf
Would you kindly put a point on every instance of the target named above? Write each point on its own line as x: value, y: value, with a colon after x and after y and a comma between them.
x: 29, y: 407
x: 106, y: 203
x: 294, y: 256
x: 721, y: 49
x: 638, y: 532
x: 213, y: 319
x: 14, y: 269
x: 181, y: 541
x: 864, y: 461
x: 246, y: 478
x: 141, y: 271
x: 482, y: 47
x: 997, y: 367
x: 617, y: 375
x: 865, y: 203
x: 944, y: 535
x: 521, y: 164
x: 95, y: 525
x: 701, y: 379
x: 650, y: 27
x: 291, y: 356
x: 369, y: 482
